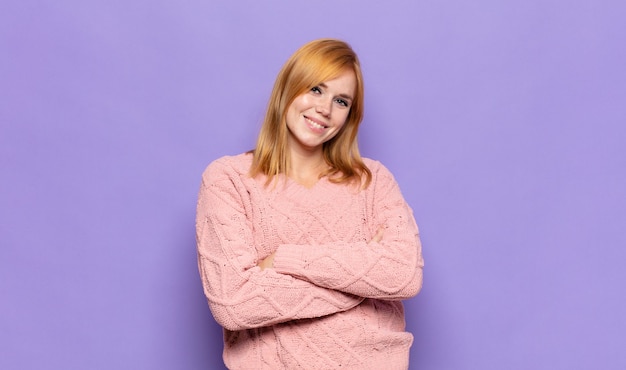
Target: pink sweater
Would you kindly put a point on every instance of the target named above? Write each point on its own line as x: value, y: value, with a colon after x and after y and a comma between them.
x: 332, y: 300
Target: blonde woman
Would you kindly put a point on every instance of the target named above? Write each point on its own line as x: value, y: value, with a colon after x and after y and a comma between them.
x: 305, y: 249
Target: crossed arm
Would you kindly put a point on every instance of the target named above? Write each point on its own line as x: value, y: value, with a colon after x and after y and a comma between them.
x: 297, y: 281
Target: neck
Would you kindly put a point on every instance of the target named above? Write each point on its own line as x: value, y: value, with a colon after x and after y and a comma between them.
x: 306, y: 167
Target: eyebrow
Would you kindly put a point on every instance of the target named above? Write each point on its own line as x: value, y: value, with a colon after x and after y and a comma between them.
x: 345, y: 96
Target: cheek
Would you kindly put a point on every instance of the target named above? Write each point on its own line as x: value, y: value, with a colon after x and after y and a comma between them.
x: 301, y: 103
x: 292, y: 114
x: 342, y: 118
x: 341, y: 125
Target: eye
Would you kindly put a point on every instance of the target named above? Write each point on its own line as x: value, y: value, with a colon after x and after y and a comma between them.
x: 342, y: 102
x: 316, y: 90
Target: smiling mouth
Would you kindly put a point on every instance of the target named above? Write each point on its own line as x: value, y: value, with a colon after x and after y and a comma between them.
x: 315, y: 124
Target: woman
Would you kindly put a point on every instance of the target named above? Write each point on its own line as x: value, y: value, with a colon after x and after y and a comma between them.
x: 305, y: 249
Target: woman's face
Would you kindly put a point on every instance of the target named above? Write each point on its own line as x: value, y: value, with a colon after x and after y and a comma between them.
x: 317, y: 115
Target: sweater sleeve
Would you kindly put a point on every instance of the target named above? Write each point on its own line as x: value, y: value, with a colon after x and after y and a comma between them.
x: 240, y: 295
x: 389, y: 269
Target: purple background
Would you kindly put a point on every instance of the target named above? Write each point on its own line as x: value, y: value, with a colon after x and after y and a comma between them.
x: 503, y: 121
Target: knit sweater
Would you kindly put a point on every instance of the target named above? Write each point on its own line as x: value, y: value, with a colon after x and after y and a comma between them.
x: 332, y: 298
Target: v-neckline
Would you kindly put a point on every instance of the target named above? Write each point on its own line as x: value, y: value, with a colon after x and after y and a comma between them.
x: 313, y: 186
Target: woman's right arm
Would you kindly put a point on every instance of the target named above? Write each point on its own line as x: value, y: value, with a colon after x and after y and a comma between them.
x: 240, y: 294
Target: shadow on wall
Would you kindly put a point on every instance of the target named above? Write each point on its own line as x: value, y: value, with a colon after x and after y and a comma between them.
x: 214, y: 344
x: 211, y: 348
x: 184, y: 334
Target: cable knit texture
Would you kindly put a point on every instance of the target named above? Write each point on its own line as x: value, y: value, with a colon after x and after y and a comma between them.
x: 332, y: 298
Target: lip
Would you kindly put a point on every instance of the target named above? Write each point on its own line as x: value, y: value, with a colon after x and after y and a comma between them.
x: 314, y: 124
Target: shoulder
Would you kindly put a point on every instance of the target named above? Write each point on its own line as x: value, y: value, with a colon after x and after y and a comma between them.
x: 238, y: 163
x: 383, y: 181
x: 228, y: 166
x: 379, y: 171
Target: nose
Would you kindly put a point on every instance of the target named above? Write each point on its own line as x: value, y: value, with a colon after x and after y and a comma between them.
x: 324, y: 107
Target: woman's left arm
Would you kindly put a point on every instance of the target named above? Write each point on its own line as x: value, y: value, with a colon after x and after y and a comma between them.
x: 389, y: 266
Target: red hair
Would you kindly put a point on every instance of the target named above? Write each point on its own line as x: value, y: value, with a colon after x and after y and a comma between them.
x: 315, y: 62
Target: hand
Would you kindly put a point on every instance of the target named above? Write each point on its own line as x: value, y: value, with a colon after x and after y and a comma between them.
x: 268, y: 262
x: 379, y: 235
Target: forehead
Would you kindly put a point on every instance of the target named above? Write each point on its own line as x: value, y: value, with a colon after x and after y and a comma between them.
x: 344, y: 83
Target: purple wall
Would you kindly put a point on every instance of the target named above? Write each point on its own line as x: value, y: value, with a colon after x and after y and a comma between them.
x: 504, y: 123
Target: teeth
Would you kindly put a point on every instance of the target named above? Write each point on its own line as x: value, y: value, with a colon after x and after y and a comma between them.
x: 315, y: 124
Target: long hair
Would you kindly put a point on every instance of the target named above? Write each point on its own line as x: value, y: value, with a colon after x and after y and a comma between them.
x: 314, y: 63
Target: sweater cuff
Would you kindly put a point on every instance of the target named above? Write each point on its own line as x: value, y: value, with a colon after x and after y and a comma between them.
x: 289, y: 259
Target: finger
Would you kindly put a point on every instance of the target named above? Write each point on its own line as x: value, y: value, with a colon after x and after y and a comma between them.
x: 379, y: 234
